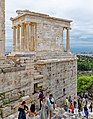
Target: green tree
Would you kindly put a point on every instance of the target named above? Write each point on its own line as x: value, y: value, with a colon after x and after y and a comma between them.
x: 84, y: 83
x: 85, y: 66
x: 85, y: 63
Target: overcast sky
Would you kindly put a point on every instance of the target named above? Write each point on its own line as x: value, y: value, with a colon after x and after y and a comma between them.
x: 79, y: 11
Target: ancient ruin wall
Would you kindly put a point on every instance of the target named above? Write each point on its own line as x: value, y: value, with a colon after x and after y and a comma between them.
x: 61, y: 77
x: 16, y: 81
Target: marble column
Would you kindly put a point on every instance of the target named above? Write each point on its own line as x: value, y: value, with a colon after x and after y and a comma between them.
x: 62, y: 35
x: 30, y: 38
x: 62, y: 40
x: 34, y: 40
x: 67, y: 41
x: 27, y: 37
x: 14, y: 38
x: 22, y: 37
x: 25, y: 40
x: 18, y: 38
x: 33, y: 37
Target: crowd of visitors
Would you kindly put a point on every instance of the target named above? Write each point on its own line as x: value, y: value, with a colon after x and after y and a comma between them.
x: 47, y: 105
x: 79, y: 105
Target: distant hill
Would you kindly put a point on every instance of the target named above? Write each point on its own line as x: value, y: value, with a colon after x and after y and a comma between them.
x: 82, y: 49
x: 76, y: 50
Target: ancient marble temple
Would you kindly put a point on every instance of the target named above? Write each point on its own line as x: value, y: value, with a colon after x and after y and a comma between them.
x: 39, y: 32
x: 38, y: 60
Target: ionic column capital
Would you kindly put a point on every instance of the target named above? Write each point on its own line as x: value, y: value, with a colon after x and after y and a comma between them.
x: 18, y: 25
x: 68, y: 28
x: 23, y: 23
x: 14, y: 27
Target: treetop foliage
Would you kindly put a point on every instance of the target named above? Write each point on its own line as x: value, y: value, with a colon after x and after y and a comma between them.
x: 84, y: 83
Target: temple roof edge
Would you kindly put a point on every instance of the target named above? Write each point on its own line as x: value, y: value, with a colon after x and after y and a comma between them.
x: 27, y: 12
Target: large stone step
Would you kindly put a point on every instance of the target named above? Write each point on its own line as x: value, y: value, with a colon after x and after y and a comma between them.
x: 37, y: 75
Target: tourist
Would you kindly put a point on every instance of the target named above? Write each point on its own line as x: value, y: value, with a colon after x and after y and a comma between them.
x: 79, y: 104
x: 66, y: 104
x: 41, y: 95
x: 75, y: 102
x: 51, y: 105
x: 82, y: 105
x: 86, y: 100
x: 83, y: 100
x: 44, y: 109
x: 72, y: 108
x: 86, y: 111
x: 32, y: 113
x: 70, y: 100
x: 90, y: 107
x: 67, y: 101
x: 22, y: 108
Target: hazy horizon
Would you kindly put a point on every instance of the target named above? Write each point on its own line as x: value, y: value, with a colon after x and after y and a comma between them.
x: 73, y: 49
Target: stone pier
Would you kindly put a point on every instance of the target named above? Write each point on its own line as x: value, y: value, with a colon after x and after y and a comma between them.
x: 2, y: 29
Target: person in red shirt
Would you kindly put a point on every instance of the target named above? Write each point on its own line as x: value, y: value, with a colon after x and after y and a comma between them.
x: 72, y: 108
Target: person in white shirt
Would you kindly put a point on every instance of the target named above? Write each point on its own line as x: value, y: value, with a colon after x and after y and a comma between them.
x: 51, y: 105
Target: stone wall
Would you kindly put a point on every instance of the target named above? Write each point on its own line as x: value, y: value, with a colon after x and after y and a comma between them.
x: 61, y: 76
x: 16, y: 81
x: 27, y: 76
x: 2, y: 28
x: 49, y: 36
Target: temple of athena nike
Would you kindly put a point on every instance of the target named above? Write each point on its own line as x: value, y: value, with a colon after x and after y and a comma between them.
x: 38, y: 60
